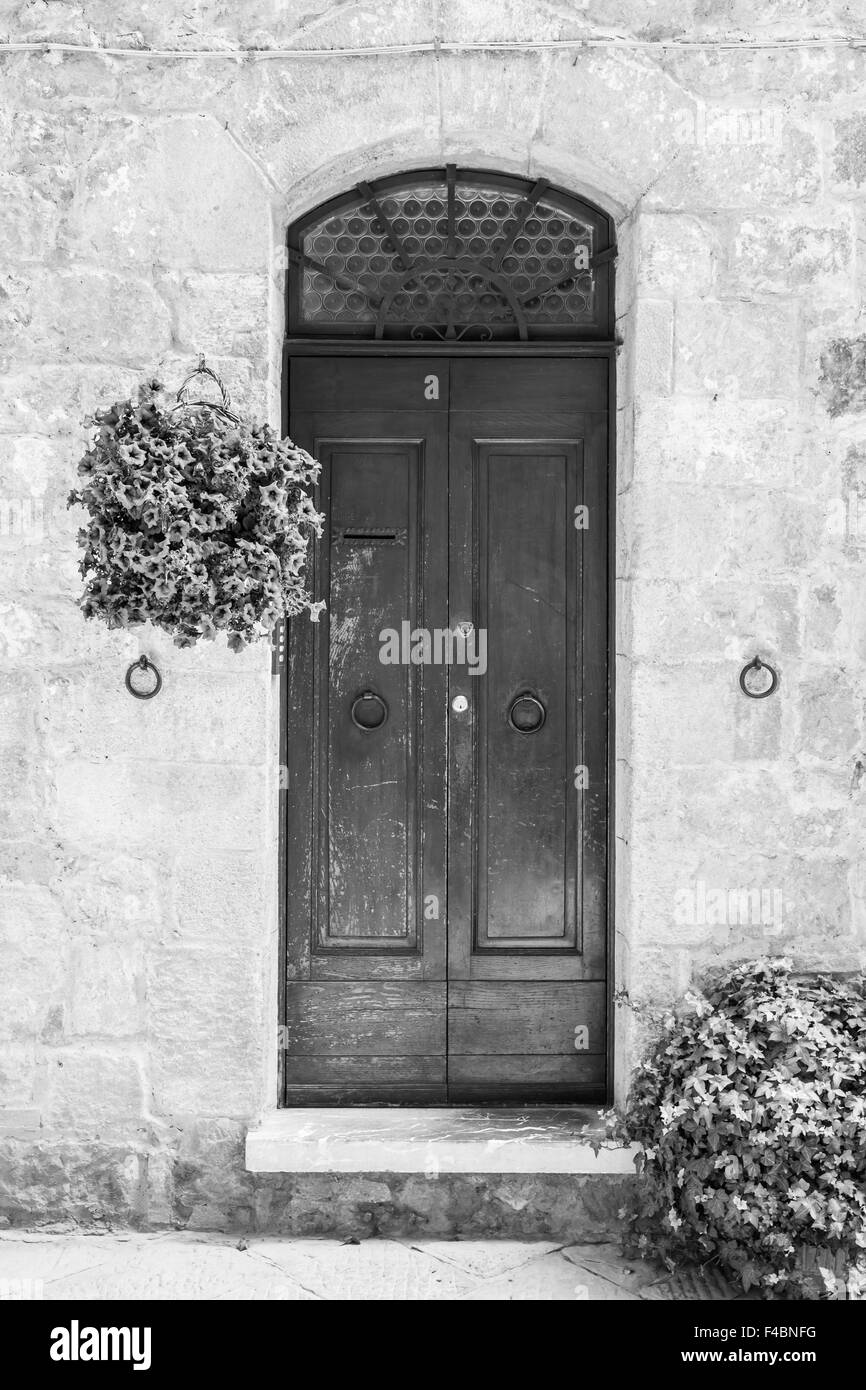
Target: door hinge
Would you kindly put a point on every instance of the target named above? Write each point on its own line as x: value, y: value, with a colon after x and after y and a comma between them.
x: 278, y: 648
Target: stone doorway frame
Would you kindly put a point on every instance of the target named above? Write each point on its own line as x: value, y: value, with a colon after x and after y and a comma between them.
x: 567, y: 171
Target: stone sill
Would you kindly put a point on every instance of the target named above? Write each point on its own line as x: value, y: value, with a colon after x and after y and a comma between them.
x: 433, y: 1141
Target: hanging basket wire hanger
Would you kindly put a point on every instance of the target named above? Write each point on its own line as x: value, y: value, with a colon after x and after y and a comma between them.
x: 222, y: 408
x: 183, y: 402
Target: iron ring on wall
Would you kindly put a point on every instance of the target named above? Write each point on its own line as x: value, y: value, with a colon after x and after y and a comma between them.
x: 143, y: 665
x: 756, y: 664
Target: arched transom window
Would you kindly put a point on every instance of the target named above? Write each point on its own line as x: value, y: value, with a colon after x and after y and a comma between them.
x: 453, y: 254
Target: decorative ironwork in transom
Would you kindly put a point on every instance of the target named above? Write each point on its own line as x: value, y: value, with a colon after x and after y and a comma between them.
x: 453, y: 254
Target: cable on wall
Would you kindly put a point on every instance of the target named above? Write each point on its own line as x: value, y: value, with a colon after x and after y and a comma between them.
x: 439, y: 46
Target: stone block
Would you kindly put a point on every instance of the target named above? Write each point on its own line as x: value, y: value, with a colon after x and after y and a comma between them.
x: 694, y: 534
x: 23, y: 804
x: 703, y: 729
x: 32, y: 987
x: 842, y: 378
x: 69, y: 1180
x: 720, y: 621
x: 96, y: 314
x: 490, y: 91
x: 785, y: 255
x: 849, y: 152
x: 30, y: 221
x: 112, y: 896
x: 29, y: 864
x: 545, y: 1206
x: 850, y: 636
x: 18, y: 1069
x: 292, y: 119
x: 676, y: 254
x: 106, y: 990
x: 653, y: 347
x: 220, y: 314
x: 33, y: 564
x: 209, y: 1186
x: 183, y: 86
x: 622, y: 111
x: 43, y: 154
x: 737, y: 349
x: 714, y: 806
x: 55, y: 81
x: 157, y: 806
x: 849, y: 524
x: 654, y: 913
x: 758, y: 727
x: 830, y: 717
x: 857, y: 886
x: 624, y: 445
x: 817, y: 931
x: 49, y: 631
x: 822, y: 618
x: 720, y: 899
x: 755, y: 84
x: 634, y: 17
x: 221, y: 898
x: 716, y: 169
x: 205, y: 1021
x: 727, y: 443
x: 825, y: 806
x: 191, y: 197
x: 56, y: 399
x: 19, y: 694
x: 218, y: 720
x: 30, y: 464
x: 259, y: 23
x: 32, y: 910
x: 659, y: 977
x: 93, y: 1091
x: 475, y: 23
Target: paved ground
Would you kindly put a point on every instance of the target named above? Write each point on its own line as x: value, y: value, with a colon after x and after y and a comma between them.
x: 180, y: 1265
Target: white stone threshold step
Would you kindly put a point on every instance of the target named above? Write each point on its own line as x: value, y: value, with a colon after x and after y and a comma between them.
x: 434, y: 1141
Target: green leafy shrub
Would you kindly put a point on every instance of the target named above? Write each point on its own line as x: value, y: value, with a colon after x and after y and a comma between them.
x: 198, y: 523
x: 751, y: 1111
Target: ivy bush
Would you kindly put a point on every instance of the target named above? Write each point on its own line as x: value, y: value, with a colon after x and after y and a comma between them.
x: 751, y: 1113
x: 198, y: 523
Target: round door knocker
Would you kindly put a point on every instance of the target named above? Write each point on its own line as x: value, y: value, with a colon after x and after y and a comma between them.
x: 144, y: 665
x: 757, y: 665
x: 369, y: 711
x: 527, y: 714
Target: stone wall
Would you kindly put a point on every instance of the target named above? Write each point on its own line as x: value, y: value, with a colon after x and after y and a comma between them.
x: 143, y: 206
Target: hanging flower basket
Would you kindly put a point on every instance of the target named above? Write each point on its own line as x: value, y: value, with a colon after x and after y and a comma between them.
x: 198, y: 522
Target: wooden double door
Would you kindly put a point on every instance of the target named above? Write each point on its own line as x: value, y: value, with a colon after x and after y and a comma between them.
x: 446, y: 735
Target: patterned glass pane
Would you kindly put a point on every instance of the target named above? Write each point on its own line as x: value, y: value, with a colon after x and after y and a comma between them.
x: 476, y: 263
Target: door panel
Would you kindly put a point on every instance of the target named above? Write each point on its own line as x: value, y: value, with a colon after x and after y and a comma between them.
x: 527, y: 898
x: 367, y: 970
x: 369, y: 844
x: 450, y: 490
x: 520, y: 1042
x: 525, y: 813
x: 371, y: 1020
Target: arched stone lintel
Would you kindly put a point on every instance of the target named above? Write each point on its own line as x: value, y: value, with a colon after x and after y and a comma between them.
x: 486, y: 150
